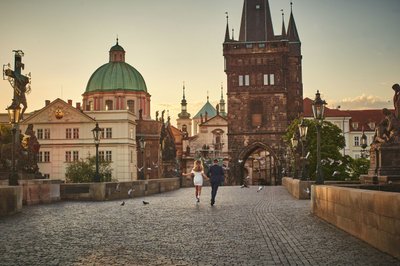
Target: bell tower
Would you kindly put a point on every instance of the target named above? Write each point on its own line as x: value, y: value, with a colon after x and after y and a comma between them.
x: 264, y: 77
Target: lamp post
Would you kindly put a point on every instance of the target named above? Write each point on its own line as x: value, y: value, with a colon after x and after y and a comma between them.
x: 363, y: 144
x: 96, y: 136
x: 294, y: 142
x: 142, y: 144
x: 14, y: 112
x: 318, y: 107
x: 303, y: 135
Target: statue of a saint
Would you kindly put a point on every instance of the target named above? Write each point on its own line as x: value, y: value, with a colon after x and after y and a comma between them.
x: 396, y: 100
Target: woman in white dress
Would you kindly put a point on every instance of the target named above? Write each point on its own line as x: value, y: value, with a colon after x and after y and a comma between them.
x: 197, y: 174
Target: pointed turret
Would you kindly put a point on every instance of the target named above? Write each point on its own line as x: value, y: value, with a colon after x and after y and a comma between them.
x: 292, y: 34
x: 184, y: 113
x: 256, y: 22
x: 222, y: 103
x: 227, y: 37
x: 283, y: 26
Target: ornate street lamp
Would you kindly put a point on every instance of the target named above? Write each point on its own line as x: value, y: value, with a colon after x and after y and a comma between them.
x: 294, y: 142
x: 318, y: 107
x: 142, y: 144
x: 14, y: 112
x: 96, y: 136
x: 303, y: 128
x: 363, y: 145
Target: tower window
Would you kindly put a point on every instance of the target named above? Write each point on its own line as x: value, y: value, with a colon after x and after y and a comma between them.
x: 240, y: 80
x: 109, y: 104
x: 246, y: 80
x: 131, y: 105
x: 258, y: 7
x: 269, y: 79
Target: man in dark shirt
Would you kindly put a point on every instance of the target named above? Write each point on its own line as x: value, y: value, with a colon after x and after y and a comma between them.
x: 216, y: 175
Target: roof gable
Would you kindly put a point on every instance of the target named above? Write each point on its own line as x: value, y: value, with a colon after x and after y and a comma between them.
x: 217, y: 120
x: 207, y: 107
x: 58, y: 111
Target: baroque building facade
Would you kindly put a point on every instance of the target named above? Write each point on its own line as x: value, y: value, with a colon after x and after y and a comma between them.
x: 265, y: 89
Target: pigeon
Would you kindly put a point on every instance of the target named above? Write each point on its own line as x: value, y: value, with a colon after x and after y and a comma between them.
x: 260, y: 188
x: 155, y: 164
x: 307, y: 190
x: 123, y: 203
x: 244, y: 185
x: 117, y: 189
x: 308, y: 154
x: 148, y: 168
x: 336, y: 173
x: 331, y: 161
x: 240, y: 161
x: 140, y: 169
x: 390, y: 182
x: 146, y: 202
x: 130, y: 192
x: 340, y: 162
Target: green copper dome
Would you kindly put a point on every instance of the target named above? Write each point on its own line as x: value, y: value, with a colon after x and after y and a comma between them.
x: 116, y: 76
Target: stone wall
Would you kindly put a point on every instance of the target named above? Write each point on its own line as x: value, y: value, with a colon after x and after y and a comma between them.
x: 10, y: 200
x: 373, y: 216
x: 298, y: 188
x: 37, y: 191
x: 117, y: 190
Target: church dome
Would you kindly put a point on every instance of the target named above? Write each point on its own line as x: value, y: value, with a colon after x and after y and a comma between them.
x: 116, y: 75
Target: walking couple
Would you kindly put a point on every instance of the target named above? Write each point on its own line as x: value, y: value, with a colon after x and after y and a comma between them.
x: 215, y: 174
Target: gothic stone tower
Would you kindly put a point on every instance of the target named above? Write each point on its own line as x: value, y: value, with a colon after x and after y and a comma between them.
x: 264, y: 77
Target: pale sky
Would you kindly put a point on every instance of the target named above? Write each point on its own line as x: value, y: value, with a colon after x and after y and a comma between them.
x: 351, y: 48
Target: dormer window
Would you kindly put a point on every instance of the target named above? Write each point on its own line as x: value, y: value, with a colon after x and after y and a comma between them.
x: 354, y: 125
x: 371, y: 125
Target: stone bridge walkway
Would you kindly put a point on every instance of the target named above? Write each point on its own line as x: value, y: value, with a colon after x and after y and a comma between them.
x: 245, y: 227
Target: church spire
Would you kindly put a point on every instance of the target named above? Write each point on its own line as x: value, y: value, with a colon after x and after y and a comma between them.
x: 183, y: 113
x: 222, y: 103
x: 256, y: 22
x: 292, y: 34
x: 227, y: 37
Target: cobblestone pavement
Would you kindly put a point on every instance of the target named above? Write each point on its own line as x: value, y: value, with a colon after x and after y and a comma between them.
x: 245, y: 227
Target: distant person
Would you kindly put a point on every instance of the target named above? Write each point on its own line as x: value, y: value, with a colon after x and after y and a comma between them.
x: 216, y: 175
x: 197, y: 174
x: 396, y: 100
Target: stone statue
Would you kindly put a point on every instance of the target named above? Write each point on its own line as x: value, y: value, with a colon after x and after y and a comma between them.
x: 32, y: 146
x: 156, y: 115
x: 162, y: 116
x: 396, y: 100
x: 393, y: 126
x: 381, y: 134
x: 19, y: 82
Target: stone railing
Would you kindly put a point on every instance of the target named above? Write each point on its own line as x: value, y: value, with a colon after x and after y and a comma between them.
x: 298, y: 188
x: 10, y: 200
x: 37, y: 191
x: 373, y: 216
x: 117, y: 190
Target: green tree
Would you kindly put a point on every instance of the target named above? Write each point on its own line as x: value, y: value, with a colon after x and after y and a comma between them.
x: 333, y: 164
x: 358, y: 167
x: 83, y: 170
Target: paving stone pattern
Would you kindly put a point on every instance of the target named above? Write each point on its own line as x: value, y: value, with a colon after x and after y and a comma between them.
x: 245, y: 227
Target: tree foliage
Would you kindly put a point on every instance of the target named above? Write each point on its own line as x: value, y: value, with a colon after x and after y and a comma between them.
x: 334, y: 165
x: 83, y: 170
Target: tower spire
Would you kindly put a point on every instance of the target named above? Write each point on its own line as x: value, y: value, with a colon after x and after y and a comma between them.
x: 256, y: 24
x: 292, y: 33
x: 222, y: 102
x: 283, y: 25
x: 184, y: 114
x: 227, y: 37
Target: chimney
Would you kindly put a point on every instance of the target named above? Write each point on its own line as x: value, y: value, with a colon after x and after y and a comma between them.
x: 78, y: 106
x: 70, y: 102
x: 46, y: 102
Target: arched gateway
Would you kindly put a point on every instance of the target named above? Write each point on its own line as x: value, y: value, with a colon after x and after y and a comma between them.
x: 256, y: 164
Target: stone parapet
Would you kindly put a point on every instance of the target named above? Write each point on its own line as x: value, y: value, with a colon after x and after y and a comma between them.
x: 117, y: 190
x: 38, y: 191
x: 299, y: 189
x: 10, y: 200
x: 373, y: 216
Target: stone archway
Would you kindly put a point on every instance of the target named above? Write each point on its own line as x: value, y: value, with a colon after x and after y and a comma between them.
x: 258, y: 163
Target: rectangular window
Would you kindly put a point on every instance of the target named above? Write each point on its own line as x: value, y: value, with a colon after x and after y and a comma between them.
x: 46, y: 157
x: 40, y: 157
x: 108, y: 156
x: 266, y: 82
x: 272, y: 79
x: 356, y: 141
x: 75, y: 155
x: 47, y: 133
x: 240, y: 80
x: 108, y: 133
x: 76, y: 133
x: 246, y: 80
x: 68, y: 133
x: 40, y: 133
x: 68, y: 156
x: 46, y: 176
x: 101, y: 156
